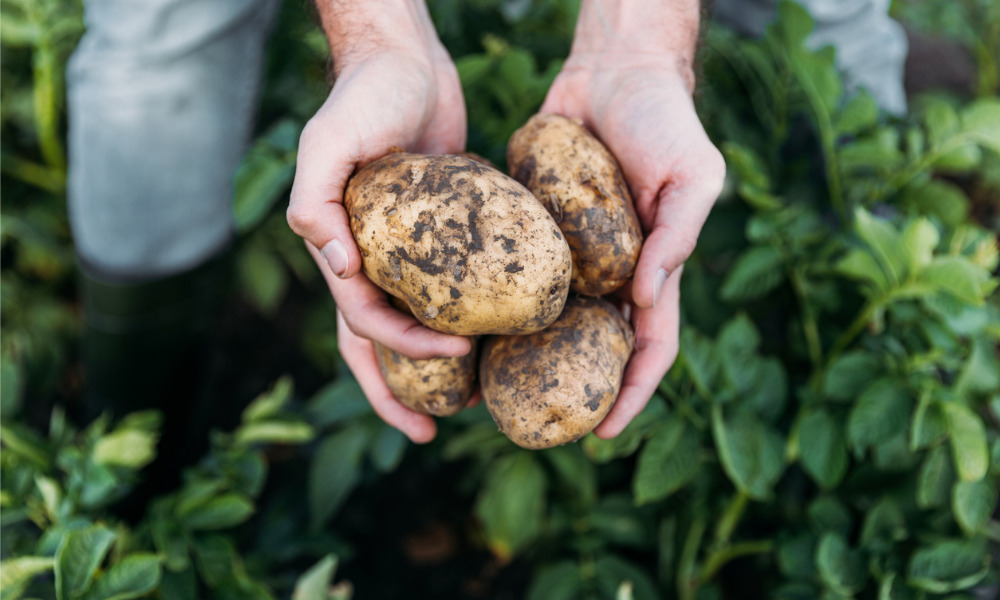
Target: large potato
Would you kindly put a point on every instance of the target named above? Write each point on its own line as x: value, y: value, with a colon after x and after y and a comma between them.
x: 581, y: 184
x: 468, y: 249
x: 556, y: 385
x: 433, y: 386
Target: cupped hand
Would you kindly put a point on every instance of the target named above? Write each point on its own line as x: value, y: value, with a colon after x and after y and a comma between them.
x: 641, y: 108
x: 407, y: 98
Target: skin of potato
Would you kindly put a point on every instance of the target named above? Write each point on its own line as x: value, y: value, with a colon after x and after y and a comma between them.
x: 435, y: 386
x: 555, y: 386
x: 580, y: 183
x: 468, y: 249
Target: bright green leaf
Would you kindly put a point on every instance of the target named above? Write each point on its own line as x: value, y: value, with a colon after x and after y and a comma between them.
x: 314, y: 583
x: 982, y: 120
x: 968, y: 441
x: 941, y: 121
x: 860, y: 113
x: 511, y: 503
x: 271, y: 402
x: 949, y: 565
x: 936, y: 198
x: 752, y: 453
x: 958, y: 277
x: 79, y: 555
x: 16, y: 573
x: 972, y: 503
x: 935, y: 478
x: 668, y: 461
x: 274, y: 432
x: 227, y: 510
x: 135, y: 576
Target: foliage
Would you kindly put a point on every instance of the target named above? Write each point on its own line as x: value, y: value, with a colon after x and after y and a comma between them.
x: 829, y: 430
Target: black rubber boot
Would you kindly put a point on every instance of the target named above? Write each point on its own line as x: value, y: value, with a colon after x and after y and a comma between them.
x: 146, y: 346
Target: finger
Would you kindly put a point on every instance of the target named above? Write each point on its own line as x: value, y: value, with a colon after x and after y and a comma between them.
x: 368, y: 314
x: 681, y: 211
x: 359, y: 354
x: 656, y: 349
x: 475, y: 399
x: 315, y: 211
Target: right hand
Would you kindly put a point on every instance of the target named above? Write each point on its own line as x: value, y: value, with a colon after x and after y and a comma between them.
x: 404, y: 94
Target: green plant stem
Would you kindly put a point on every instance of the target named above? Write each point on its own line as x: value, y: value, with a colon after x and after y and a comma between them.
x: 730, y: 518
x: 827, y: 139
x: 809, y: 327
x: 47, y: 178
x: 905, y: 176
x: 687, y: 581
x: 47, y: 95
x: 716, y: 560
x: 852, y: 332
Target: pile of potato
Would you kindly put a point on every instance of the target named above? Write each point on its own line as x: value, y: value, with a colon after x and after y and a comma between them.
x: 470, y: 251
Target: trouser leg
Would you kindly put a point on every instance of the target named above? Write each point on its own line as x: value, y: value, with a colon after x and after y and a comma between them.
x: 871, y: 47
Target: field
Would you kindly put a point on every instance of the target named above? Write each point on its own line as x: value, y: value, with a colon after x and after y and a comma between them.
x: 831, y: 428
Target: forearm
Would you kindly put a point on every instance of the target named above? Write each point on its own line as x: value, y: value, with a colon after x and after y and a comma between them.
x: 359, y: 29
x: 641, y: 32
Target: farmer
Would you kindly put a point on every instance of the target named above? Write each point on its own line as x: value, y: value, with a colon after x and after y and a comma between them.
x: 161, y: 103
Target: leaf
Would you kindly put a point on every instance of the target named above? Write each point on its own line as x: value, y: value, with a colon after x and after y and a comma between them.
x: 884, y: 242
x: 273, y: 432
x: 701, y: 360
x: 388, y: 448
x: 755, y: 273
x: 936, y: 198
x: 334, y: 472
x: 752, y: 453
x: 958, y: 277
x: 747, y: 164
x: 848, y: 375
x: 919, y: 239
x: 220, y: 512
x: 262, y: 277
x: 949, y: 565
x: 941, y: 121
x: 929, y: 426
x: 314, y: 583
x: 261, y: 180
x: 839, y: 567
x: 959, y: 160
x: 982, y: 120
x: 981, y: 372
x: 668, y: 461
x: 822, y: 448
x: 934, y: 479
x: 574, y: 472
x: 10, y: 386
x: 511, y: 503
x: 827, y: 514
x: 794, y: 24
x: 612, y: 571
x: 972, y: 503
x: 796, y: 557
x: 338, y: 401
x: 968, y: 441
x: 884, y: 525
x: 860, y: 113
x: 135, y: 576
x: 78, y: 557
x: 881, y: 410
x: 16, y: 573
x: 271, y: 402
x: 862, y: 265
x: 879, y: 151
x: 131, y: 448
x: 558, y: 581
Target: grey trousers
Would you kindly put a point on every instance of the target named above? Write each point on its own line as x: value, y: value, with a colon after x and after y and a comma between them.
x: 162, y: 98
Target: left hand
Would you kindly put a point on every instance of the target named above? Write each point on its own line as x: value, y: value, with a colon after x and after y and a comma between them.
x: 640, y: 107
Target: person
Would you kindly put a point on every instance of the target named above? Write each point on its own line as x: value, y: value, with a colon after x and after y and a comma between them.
x: 161, y: 98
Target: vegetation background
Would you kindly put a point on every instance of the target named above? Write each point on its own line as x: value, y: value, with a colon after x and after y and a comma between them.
x: 830, y: 429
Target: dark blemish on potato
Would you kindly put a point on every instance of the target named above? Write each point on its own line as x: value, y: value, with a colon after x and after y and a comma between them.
x: 455, y: 293
x: 513, y: 267
x: 395, y: 188
x: 452, y: 224
x: 549, y: 178
x: 476, y: 244
x: 426, y: 265
x: 508, y: 243
x: 421, y: 226
x: 594, y: 404
x: 525, y: 171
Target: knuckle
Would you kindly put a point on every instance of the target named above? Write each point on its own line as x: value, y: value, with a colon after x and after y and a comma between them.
x: 300, y: 219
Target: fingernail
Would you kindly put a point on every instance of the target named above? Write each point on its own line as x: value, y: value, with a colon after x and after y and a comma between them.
x: 336, y: 256
x: 627, y: 311
x: 661, y: 277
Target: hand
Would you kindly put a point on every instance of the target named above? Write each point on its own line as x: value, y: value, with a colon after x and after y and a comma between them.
x: 639, y: 104
x: 395, y: 86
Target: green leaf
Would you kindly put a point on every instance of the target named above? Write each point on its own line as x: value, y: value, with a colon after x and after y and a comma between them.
x: 968, y: 441
x: 574, y: 472
x: 613, y: 571
x: 131, y: 448
x: 261, y: 180
x: 10, y: 386
x: 982, y: 120
x: 941, y: 121
x: 935, y: 478
x: 959, y: 160
x: 881, y: 411
x: 879, y: 151
x: 981, y: 372
x: 16, y: 573
x: 827, y: 514
x: 795, y: 557
x: 388, y: 448
x: 848, y: 375
x: 271, y: 402
x: 884, y: 525
x: 337, y: 402
x: 79, y: 555
x: 668, y: 461
x: 274, y: 432
x: 511, y: 503
x: 263, y: 278
x: 972, y: 503
x: 860, y: 113
x: 929, y: 425
x: 746, y: 164
x: 752, y: 453
x: 949, y: 565
x: 794, y: 24
x: 936, y: 198
x: 227, y: 510
x: 822, y: 448
x: 959, y: 277
x: 884, y: 242
x: 839, y: 567
x: 334, y: 472
x: 862, y: 265
x: 314, y: 583
x: 919, y: 239
x: 558, y: 581
x: 135, y: 576
x: 701, y: 360
x: 755, y: 273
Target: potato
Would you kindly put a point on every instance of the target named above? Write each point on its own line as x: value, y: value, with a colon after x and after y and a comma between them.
x: 468, y: 249
x: 556, y: 385
x: 433, y: 386
x: 581, y: 184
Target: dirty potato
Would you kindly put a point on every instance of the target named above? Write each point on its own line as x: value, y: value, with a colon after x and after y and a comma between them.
x: 468, y: 249
x: 581, y: 184
x: 556, y: 385
x: 433, y: 386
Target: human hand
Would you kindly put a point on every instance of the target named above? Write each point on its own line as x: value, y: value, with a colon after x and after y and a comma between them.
x: 629, y: 79
x: 395, y: 86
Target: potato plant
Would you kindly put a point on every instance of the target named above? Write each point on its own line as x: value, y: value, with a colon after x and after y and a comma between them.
x: 829, y: 430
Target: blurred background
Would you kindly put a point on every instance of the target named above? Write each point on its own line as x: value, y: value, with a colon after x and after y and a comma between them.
x: 830, y: 429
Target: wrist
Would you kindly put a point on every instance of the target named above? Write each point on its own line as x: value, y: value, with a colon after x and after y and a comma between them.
x: 625, y: 34
x: 357, y: 30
